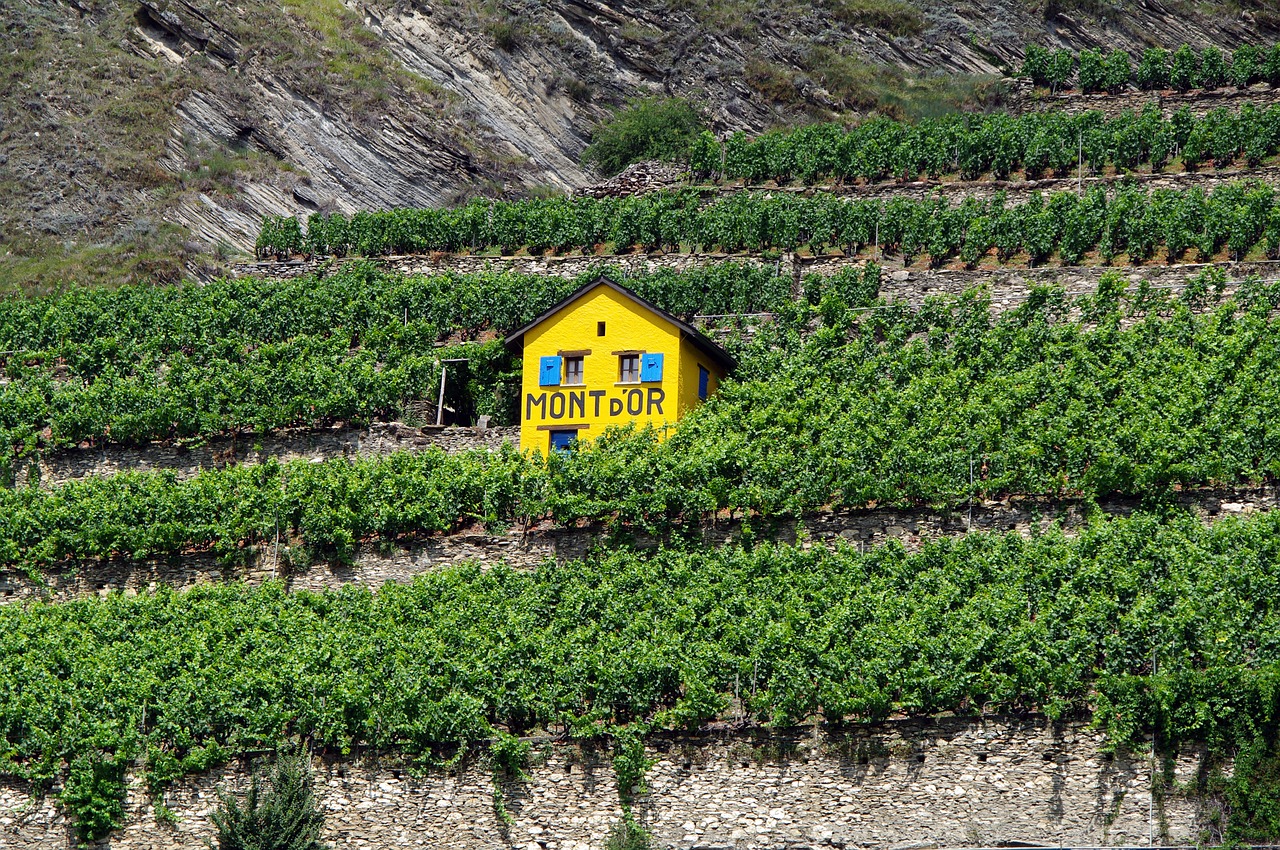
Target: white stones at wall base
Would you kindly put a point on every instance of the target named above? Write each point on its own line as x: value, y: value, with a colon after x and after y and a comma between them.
x: 943, y: 782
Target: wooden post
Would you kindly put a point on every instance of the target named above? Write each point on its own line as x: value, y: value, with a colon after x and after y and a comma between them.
x: 440, y: 402
x: 1080, y: 166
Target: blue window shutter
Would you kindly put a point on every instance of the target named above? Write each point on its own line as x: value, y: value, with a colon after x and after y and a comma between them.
x: 704, y: 378
x: 651, y: 367
x: 549, y: 372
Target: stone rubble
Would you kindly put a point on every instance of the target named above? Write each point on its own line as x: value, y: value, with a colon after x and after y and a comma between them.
x: 639, y: 178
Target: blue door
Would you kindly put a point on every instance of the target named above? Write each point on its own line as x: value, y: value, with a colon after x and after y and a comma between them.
x: 561, y: 440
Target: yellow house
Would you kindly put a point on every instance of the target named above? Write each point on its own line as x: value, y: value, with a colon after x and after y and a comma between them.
x: 605, y: 356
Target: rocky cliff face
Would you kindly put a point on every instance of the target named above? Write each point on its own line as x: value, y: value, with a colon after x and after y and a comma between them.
x: 140, y: 135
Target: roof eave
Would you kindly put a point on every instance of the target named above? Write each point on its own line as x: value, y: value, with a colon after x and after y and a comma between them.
x: 687, y: 331
x: 707, y: 346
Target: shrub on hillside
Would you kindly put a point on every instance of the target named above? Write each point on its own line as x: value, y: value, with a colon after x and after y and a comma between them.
x: 647, y: 128
x: 1092, y: 71
x: 286, y: 817
x: 1116, y: 71
x: 1246, y: 66
x: 1213, y: 68
x: 1182, y: 73
x: 1153, y: 70
x: 628, y: 835
x: 1060, y: 68
x: 1036, y: 64
x: 1249, y: 794
x: 507, y: 33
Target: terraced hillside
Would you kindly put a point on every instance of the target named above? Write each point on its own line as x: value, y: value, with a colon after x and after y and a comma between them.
x: 1005, y: 450
x: 144, y: 139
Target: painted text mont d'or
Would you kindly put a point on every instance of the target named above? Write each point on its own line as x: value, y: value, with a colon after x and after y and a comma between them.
x: 604, y: 356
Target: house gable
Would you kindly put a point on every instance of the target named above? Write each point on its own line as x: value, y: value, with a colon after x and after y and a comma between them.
x: 605, y: 357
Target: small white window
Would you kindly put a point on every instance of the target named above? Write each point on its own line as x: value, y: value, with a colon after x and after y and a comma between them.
x: 573, y: 371
x: 629, y: 368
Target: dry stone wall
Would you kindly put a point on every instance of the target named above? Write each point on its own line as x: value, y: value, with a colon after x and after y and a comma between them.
x: 55, y: 468
x: 1008, y: 285
x: 912, y: 783
x: 1017, y: 190
x: 1024, y: 99
x: 526, y: 548
x: 373, y: 566
x: 555, y: 266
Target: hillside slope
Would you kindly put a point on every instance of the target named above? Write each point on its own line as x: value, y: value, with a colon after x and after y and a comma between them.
x: 144, y: 139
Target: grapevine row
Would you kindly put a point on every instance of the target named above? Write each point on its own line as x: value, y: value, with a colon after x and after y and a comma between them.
x: 307, y: 382
x: 1182, y: 69
x: 183, y: 681
x: 896, y: 407
x: 1036, y: 143
x: 86, y: 328
x: 146, y: 363
x: 1238, y: 217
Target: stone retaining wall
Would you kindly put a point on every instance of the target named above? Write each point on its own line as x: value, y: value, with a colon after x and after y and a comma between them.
x: 1017, y: 190
x: 914, y: 783
x: 1200, y: 101
x: 557, y: 266
x: 1008, y: 285
x: 527, y: 548
x: 55, y: 468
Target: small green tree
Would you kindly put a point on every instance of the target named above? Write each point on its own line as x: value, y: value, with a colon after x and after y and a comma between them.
x: 1182, y: 74
x: 1060, y: 69
x: 1213, y: 68
x: 1092, y: 72
x: 1153, y: 70
x: 630, y: 764
x: 1036, y: 64
x: 1271, y: 66
x: 284, y: 817
x: 1246, y: 66
x: 1251, y: 794
x: 280, y: 236
x: 1116, y: 71
x: 94, y: 792
x: 647, y: 128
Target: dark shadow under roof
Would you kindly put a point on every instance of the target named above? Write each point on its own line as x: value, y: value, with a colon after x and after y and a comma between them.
x: 699, y: 340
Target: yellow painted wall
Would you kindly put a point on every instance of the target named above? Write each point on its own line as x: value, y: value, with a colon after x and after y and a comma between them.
x: 602, y: 400
x: 690, y: 359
